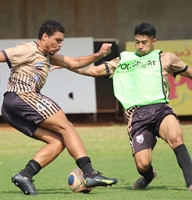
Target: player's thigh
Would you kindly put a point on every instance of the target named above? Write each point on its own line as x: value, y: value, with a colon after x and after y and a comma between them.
x: 48, y: 136
x: 170, y: 131
x: 143, y: 159
x: 57, y: 122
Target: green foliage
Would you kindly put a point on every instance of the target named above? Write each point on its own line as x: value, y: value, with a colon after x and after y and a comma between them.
x: 110, y: 153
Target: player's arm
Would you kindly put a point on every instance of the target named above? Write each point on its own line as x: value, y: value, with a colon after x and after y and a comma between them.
x: 187, y: 72
x: 103, y: 69
x: 178, y: 67
x: 106, y: 69
x: 2, y: 57
x: 79, y: 62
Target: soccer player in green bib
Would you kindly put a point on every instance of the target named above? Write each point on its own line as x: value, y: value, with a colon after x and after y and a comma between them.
x: 140, y: 84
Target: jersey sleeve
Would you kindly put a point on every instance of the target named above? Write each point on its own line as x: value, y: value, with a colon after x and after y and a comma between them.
x: 22, y: 53
x: 113, y: 64
x: 176, y: 65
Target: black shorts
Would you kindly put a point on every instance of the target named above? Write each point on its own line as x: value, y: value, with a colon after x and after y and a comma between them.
x: 143, y: 125
x: 24, y: 111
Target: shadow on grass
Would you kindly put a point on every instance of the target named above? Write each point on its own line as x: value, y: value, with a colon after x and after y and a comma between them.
x: 46, y: 191
x: 67, y: 192
x: 60, y: 191
x: 160, y: 187
x: 41, y: 191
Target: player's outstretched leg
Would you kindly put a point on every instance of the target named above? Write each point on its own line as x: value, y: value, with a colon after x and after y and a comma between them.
x: 24, y: 183
x: 95, y: 179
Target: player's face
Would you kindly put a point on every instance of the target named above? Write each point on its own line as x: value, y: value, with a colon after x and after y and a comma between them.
x: 144, y: 44
x: 53, y: 43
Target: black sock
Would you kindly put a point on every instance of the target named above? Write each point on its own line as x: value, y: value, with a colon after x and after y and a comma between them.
x: 32, y: 168
x: 148, y: 174
x: 84, y: 164
x: 184, y: 162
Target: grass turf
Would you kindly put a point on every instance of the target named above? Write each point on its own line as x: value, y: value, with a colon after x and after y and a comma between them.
x: 109, y: 150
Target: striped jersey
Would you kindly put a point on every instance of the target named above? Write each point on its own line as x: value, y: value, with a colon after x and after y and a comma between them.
x: 29, y: 68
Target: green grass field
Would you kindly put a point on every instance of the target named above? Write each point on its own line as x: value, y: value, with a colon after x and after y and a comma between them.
x: 109, y: 150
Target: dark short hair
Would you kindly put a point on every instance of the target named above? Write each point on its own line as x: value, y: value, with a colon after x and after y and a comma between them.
x: 145, y: 29
x: 50, y: 27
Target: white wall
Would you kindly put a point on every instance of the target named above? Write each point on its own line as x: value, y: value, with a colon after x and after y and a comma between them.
x: 61, y: 83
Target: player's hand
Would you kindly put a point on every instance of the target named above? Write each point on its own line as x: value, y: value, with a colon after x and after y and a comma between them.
x: 54, y: 67
x: 105, y: 49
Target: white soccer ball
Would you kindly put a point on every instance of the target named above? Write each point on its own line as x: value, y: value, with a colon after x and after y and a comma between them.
x: 76, y: 182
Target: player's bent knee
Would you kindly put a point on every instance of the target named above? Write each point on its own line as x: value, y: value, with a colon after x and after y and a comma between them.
x: 59, y: 146
x: 176, y: 141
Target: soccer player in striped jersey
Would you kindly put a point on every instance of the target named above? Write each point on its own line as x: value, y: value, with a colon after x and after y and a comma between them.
x: 38, y: 116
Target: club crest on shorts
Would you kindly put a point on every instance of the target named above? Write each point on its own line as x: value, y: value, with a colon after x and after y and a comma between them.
x: 140, y: 139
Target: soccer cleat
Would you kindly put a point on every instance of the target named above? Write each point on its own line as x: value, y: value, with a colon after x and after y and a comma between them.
x: 189, y: 188
x: 95, y: 179
x: 142, y: 183
x: 25, y: 184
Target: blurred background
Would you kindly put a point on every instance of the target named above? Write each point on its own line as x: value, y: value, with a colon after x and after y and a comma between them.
x: 97, y: 18
x: 105, y: 21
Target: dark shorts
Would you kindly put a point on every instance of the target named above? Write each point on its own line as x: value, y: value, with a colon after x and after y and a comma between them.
x: 24, y: 111
x: 143, y: 125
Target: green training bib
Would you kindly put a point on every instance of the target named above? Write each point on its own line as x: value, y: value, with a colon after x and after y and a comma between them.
x: 138, y: 80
